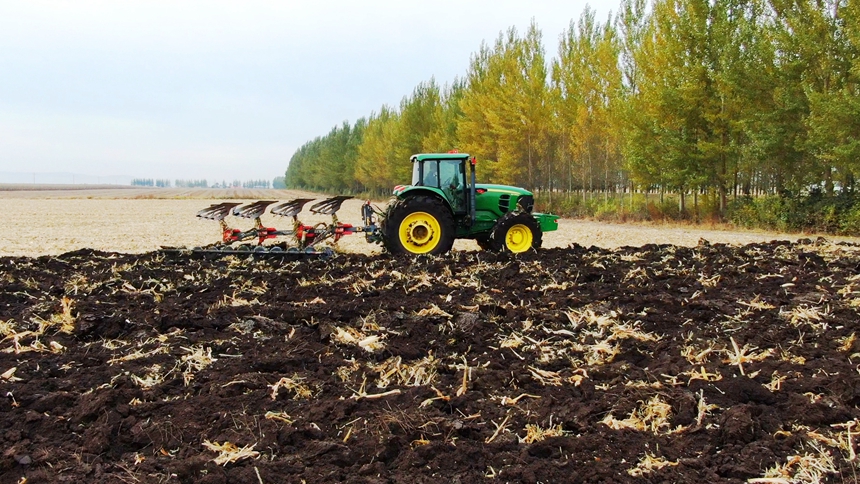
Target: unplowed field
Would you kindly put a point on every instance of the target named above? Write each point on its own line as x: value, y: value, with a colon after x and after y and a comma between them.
x: 711, y: 363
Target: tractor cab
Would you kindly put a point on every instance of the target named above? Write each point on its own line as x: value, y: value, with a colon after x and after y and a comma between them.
x: 445, y: 172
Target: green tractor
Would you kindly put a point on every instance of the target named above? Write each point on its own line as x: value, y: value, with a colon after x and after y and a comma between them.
x: 443, y: 204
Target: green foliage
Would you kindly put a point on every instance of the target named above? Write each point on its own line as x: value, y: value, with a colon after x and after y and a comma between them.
x: 813, y: 212
x: 611, y: 207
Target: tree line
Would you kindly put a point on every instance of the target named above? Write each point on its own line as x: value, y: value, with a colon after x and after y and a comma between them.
x: 721, y: 101
x: 150, y: 182
x: 278, y: 182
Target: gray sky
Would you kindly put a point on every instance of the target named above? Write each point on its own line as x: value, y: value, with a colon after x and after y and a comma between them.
x: 216, y: 89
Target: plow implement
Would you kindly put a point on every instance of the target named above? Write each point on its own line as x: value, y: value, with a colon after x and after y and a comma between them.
x: 300, y: 241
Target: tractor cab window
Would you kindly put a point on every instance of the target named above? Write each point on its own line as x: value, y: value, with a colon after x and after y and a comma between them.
x: 446, y: 175
x: 431, y: 173
x: 449, y: 173
x: 453, y: 183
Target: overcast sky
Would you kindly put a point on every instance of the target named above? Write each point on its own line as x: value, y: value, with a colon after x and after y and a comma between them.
x: 225, y: 90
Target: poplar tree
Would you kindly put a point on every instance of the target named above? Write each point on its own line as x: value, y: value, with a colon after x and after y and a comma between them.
x: 376, y: 159
x: 506, y: 116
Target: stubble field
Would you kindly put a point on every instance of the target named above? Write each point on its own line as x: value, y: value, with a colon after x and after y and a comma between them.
x: 51, y: 222
x: 636, y: 360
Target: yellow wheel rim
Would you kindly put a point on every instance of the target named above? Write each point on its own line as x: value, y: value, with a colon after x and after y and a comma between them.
x: 420, y: 232
x: 519, y: 238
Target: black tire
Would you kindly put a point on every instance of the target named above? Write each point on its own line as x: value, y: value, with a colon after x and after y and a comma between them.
x: 517, y: 221
x: 432, y: 208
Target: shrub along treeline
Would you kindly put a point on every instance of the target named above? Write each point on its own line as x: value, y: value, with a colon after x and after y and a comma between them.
x: 746, y: 110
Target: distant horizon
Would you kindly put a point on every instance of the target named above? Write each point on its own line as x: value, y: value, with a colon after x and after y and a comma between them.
x: 70, y: 178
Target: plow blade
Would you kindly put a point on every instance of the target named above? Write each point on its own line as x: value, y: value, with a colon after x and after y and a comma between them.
x: 329, y: 206
x: 252, y: 210
x: 217, y: 211
x: 291, y: 208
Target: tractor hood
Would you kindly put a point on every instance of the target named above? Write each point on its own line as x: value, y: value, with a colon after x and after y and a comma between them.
x: 502, y: 189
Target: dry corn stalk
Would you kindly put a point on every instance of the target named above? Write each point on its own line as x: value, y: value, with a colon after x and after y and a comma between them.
x: 197, y: 359
x: 600, y: 353
x: 150, y: 379
x: 7, y: 328
x: 515, y: 400
x: 809, y: 467
x: 499, y: 429
x: 627, y: 331
x: 353, y: 337
x: 703, y: 409
x: 702, y: 374
x: 362, y: 392
x: 512, y: 341
x: 803, y: 314
x: 652, y: 415
x: 591, y: 318
x: 551, y: 378
x: 433, y: 310
x: 535, y: 433
x: 138, y: 354
x: 294, y: 384
x: 848, y: 442
x: 844, y: 441
x: 847, y: 342
x: 758, y: 303
x: 9, y: 375
x: 776, y: 380
x: 464, y: 386
x: 694, y: 356
x: 393, y: 370
x: 649, y: 463
x: 439, y: 396
x: 279, y: 416
x: 65, y: 319
x: 228, y: 452
x: 744, y: 355
x: 421, y: 441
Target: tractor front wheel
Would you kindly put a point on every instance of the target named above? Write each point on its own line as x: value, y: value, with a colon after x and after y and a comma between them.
x: 418, y: 225
x: 516, y: 232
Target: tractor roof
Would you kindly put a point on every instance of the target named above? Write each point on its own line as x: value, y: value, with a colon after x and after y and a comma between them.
x: 439, y: 156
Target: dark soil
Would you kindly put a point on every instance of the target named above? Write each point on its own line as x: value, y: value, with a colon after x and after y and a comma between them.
x: 585, y: 337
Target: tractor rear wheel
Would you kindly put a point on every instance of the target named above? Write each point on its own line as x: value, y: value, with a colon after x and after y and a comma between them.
x: 418, y: 225
x: 516, y: 232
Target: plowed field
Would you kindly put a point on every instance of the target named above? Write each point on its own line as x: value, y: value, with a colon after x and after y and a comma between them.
x: 712, y: 363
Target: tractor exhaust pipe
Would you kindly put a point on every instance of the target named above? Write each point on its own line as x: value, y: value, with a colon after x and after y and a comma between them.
x: 472, y: 193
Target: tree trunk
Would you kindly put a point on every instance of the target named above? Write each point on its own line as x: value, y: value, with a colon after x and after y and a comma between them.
x: 696, y: 205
